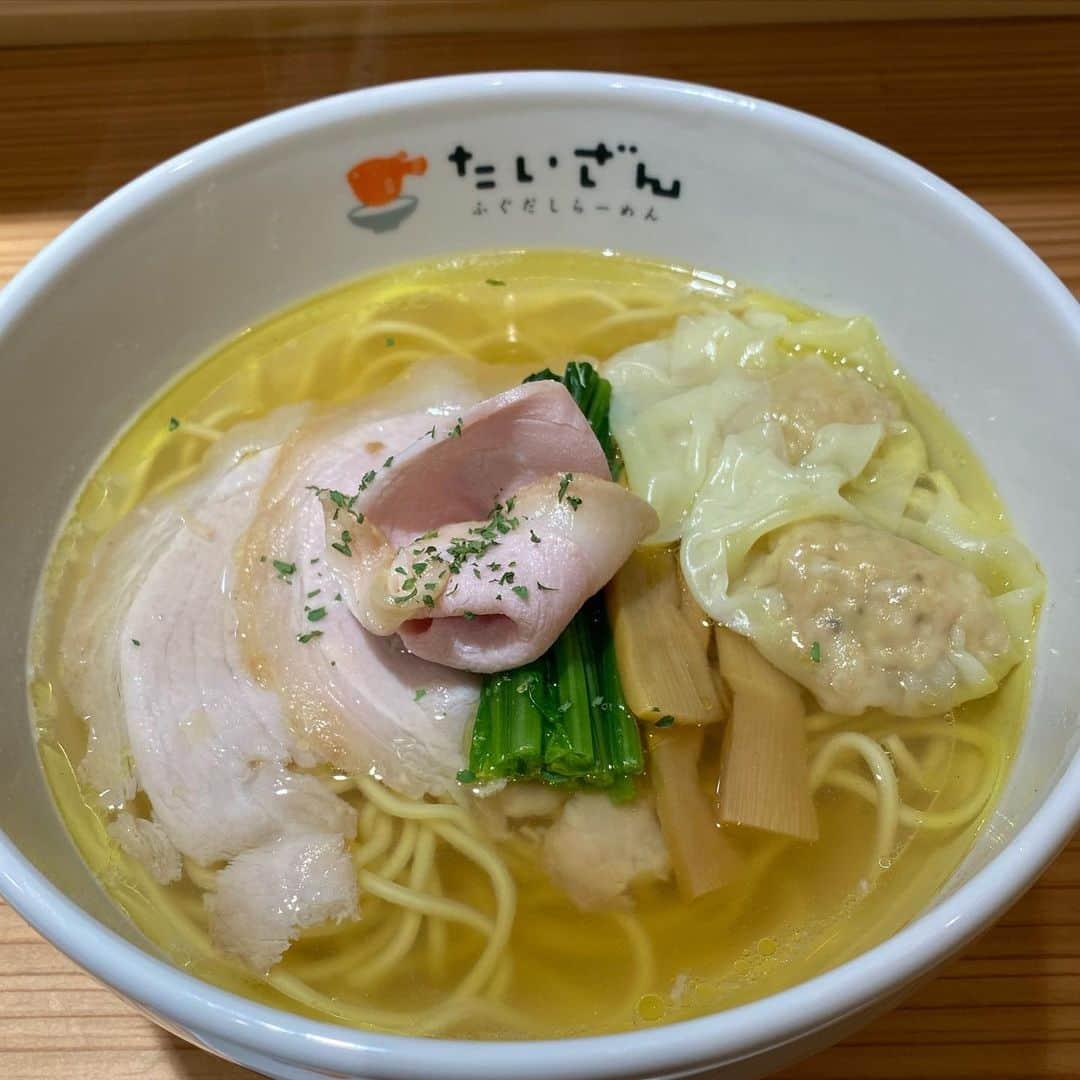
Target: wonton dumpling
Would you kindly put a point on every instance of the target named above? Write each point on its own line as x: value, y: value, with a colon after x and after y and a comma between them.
x: 671, y: 400
x: 754, y: 490
x: 675, y: 399
x: 895, y: 626
x: 737, y: 562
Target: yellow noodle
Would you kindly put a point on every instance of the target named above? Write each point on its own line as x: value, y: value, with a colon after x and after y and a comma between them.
x: 888, y: 801
x: 424, y: 903
x: 436, y: 930
x: 392, y: 328
x: 382, y: 836
x: 907, y: 764
x: 399, y: 857
x: 400, y: 945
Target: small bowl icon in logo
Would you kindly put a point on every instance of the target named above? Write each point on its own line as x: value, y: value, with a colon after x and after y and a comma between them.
x: 377, y: 183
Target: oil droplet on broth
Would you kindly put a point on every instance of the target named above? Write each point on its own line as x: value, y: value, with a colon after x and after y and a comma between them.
x: 651, y: 1007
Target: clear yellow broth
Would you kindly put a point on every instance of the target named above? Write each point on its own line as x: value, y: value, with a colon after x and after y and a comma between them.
x: 798, y: 910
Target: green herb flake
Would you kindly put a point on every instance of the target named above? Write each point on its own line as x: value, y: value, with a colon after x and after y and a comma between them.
x: 574, y: 502
x: 466, y: 776
x: 367, y: 479
x: 309, y: 636
x: 314, y: 592
x: 284, y: 568
x: 421, y: 693
x: 389, y: 341
x: 815, y: 653
x: 136, y: 642
x: 428, y: 599
x: 521, y: 591
x: 468, y: 615
x: 340, y: 500
x: 173, y: 423
x: 665, y: 721
x: 533, y: 537
x: 493, y: 281
x: 564, y: 483
x: 546, y: 588
x: 455, y: 431
x: 388, y: 462
x: 343, y: 548
x: 337, y: 596
x: 316, y: 614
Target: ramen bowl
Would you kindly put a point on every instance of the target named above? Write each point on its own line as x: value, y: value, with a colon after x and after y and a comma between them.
x: 231, y: 231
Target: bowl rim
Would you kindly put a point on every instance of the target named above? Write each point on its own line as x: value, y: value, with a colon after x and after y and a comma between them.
x: 730, y: 1035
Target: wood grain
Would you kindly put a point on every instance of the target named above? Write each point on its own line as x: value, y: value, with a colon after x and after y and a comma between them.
x: 993, y: 106
x: 64, y: 22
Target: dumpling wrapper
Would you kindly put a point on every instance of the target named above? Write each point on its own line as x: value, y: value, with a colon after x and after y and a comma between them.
x: 794, y: 556
x: 675, y: 399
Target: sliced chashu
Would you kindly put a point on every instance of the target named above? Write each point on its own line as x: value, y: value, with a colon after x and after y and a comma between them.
x: 266, y: 897
x: 152, y: 662
x: 209, y: 746
x: 492, y: 595
x: 483, y: 456
x: 212, y: 748
x: 358, y: 700
x: 92, y: 649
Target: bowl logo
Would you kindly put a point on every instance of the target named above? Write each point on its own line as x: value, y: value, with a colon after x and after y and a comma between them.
x: 377, y: 183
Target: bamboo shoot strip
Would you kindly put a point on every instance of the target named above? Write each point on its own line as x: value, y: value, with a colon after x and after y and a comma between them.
x: 764, y: 777
x: 703, y: 858
x: 663, y: 657
x: 562, y: 719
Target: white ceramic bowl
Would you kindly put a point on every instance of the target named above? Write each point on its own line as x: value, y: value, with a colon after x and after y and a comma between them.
x: 221, y: 236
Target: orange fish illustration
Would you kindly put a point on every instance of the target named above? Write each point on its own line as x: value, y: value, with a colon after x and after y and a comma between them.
x: 378, y: 181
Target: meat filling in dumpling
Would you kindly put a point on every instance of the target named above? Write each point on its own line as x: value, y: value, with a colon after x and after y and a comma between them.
x: 875, y: 620
x: 812, y: 394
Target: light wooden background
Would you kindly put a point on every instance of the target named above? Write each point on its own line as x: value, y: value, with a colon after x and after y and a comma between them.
x: 992, y: 105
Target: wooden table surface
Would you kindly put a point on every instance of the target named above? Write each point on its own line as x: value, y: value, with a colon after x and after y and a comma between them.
x: 992, y: 106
